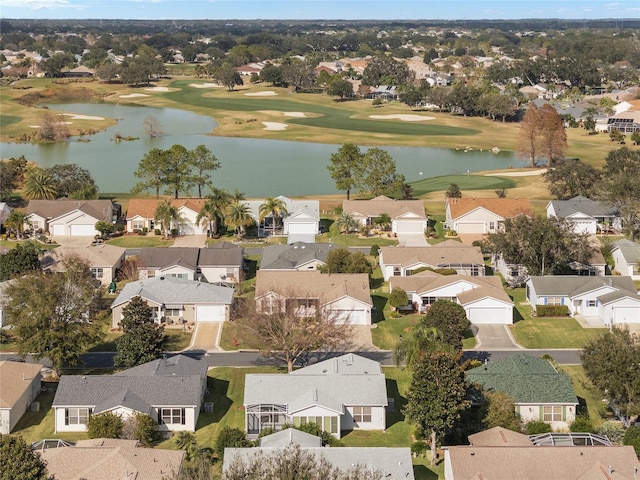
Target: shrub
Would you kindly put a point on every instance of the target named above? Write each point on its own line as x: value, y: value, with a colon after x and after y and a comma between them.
x: 314, y: 429
x: 4, y: 336
x: 419, y: 449
x: 446, y: 271
x: 552, y: 310
x: 141, y: 427
x: 536, y: 427
x: 377, y: 101
x: 145, y: 230
x: 581, y: 424
x: 375, y: 250
x: 120, y: 227
x: 157, y: 231
x: 230, y: 438
x: 632, y: 437
x: 613, y: 431
x: 174, y: 232
x: 105, y: 425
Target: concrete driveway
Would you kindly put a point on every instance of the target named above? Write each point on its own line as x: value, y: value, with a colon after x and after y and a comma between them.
x: 73, y: 242
x: 412, y: 240
x: 494, y: 337
x: 469, y: 238
x: 206, y: 337
x: 190, y: 241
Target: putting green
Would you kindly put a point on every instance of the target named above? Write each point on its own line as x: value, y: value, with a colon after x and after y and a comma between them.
x: 465, y: 182
x: 334, y: 118
x: 8, y: 120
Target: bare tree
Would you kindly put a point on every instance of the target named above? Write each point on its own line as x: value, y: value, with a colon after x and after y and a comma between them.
x: 541, y: 134
x: 53, y: 128
x: 288, y: 328
x: 152, y: 127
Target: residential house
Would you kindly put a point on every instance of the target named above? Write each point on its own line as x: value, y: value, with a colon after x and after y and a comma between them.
x: 296, y: 256
x: 483, y: 298
x: 384, y: 92
x: 176, y: 300
x: 506, y: 455
x: 626, y: 122
x: 388, y: 462
x: 222, y: 262
x: 142, y: 211
x: 586, y: 215
x: 103, y: 260
x: 626, y: 256
x: 610, y: 300
x: 340, y: 394
x: 341, y: 296
x: 5, y: 211
x: 404, y: 261
x: 170, y: 391
x: 112, y: 459
x: 3, y: 298
x: 483, y: 215
x: 407, y: 216
x: 300, y: 224
x: 19, y: 387
x: 65, y: 217
x: 539, y: 391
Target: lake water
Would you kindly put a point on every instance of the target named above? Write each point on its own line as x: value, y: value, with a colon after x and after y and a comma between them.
x: 258, y: 168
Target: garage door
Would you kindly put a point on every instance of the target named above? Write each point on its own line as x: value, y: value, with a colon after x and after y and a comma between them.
x: 409, y: 227
x: 626, y: 315
x: 210, y: 313
x: 82, y: 230
x: 470, y: 228
x: 353, y: 317
x: 490, y: 316
x: 57, y: 230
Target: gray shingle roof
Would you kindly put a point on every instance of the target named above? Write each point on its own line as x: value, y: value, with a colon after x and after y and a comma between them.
x: 123, y: 398
x: 179, y: 365
x: 190, y: 257
x: 290, y: 257
x: 580, y: 204
x: 630, y: 250
x: 290, y: 436
x: 175, y: 290
x: 571, y: 285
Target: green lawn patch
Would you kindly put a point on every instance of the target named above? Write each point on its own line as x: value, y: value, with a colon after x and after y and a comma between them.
x: 590, y: 397
x: 6, y: 120
x: 465, y: 182
x: 140, y: 241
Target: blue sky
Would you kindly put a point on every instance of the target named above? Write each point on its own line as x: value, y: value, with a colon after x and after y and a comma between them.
x: 319, y: 9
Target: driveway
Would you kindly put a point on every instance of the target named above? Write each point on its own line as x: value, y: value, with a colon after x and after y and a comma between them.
x: 206, y: 337
x: 412, y: 240
x: 190, y: 241
x: 469, y: 238
x: 494, y: 337
x: 73, y: 242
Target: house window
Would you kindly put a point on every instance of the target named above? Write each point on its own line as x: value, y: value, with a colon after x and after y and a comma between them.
x: 331, y: 424
x: 184, y: 276
x: 173, y: 416
x: 35, y: 224
x: 592, y: 303
x: 475, y: 270
x: 428, y: 300
x: 137, y: 224
x: 492, y: 226
x: 552, y: 413
x: 397, y: 271
x: 172, y: 312
x: 514, y: 271
x: 76, y: 416
x: 362, y: 414
x: 306, y: 303
x: 554, y: 300
x: 97, y: 272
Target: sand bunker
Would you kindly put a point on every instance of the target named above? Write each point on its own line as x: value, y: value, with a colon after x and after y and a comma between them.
x: 528, y: 173
x: 404, y: 118
x: 268, y: 93
x: 134, y: 95
x: 205, y: 85
x: 294, y: 114
x: 274, y: 126
x: 158, y: 89
x: 82, y: 117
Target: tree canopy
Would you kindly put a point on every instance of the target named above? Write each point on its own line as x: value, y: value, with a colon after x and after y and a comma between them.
x: 346, y: 167
x: 341, y: 260
x: 571, y: 177
x: 24, y: 258
x: 450, y: 319
x: 73, y: 181
x: 541, y: 136
x: 18, y: 461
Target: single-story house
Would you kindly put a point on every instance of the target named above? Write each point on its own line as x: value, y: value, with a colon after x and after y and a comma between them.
x: 612, y: 300
x: 65, y: 217
x: 586, y: 215
x: 407, y: 216
x: 403, y: 261
x: 296, y: 256
x: 142, y: 211
x: 340, y: 394
x: 103, y: 259
x: 507, y: 456
x: 112, y: 459
x: 626, y: 256
x: 626, y: 122
x: 300, y: 224
x: 19, y: 387
x: 341, y: 296
x: 177, y: 300
x: 3, y: 297
x: 539, y: 391
x: 483, y: 215
x: 387, y: 462
x: 483, y: 298
x: 5, y: 211
x: 169, y: 390
x: 217, y: 263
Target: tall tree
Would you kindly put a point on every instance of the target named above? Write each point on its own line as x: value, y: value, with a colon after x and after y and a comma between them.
x: 151, y: 126
x: 177, y: 174
x: 228, y: 76
x: 18, y: 461
x: 620, y: 187
x: 213, y: 210
x: 51, y: 314
x: 450, y: 319
x: 453, y: 191
x: 553, y: 143
x: 386, y: 70
x: 11, y: 175
x: 16, y: 221
x: 275, y: 208
x: 38, y: 185
x: 543, y: 245
x: 168, y: 215
x: 341, y: 88
x: 151, y: 171
x: 380, y: 177
x: 203, y: 161
x: 528, y: 142
x: 22, y: 259
x: 436, y: 397
x: 610, y: 362
x: 143, y: 339
x: 570, y: 177
x: 73, y: 181
x: 347, y: 167
x: 238, y: 216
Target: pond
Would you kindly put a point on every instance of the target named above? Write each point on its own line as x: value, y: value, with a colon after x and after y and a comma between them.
x: 256, y: 167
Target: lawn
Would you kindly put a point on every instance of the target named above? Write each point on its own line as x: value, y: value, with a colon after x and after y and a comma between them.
x: 139, y: 241
x: 465, y: 182
x: 177, y: 340
x: 589, y: 397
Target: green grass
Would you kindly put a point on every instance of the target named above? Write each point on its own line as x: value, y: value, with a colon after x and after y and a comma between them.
x: 11, y: 244
x: 589, y: 397
x: 6, y: 120
x: 140, y: 241
x: 177, y: 340
x: 465, y: 182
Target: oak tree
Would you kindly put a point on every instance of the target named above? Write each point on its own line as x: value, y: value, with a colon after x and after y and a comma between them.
x: 570, y: 177
x: 347, y: 167
x: 18, y: 461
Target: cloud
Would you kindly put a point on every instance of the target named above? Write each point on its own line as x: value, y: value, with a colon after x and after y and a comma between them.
x: 37, y: 4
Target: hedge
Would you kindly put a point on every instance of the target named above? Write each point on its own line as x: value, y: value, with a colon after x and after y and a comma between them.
x: 552, y: 310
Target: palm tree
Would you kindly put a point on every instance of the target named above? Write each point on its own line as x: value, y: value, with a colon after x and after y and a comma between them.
x: 168, y: 215
x: 213, y: 210
x: 238, y: 196
x: 238, y: 217
x: 383, y: 221
x: 16, y: 221
x: 346, y: 222
x: 424, y: 339
x: 275, y: 208
x: 38, y: 185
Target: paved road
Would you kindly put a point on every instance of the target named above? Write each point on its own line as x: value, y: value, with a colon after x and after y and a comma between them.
x: 253, y: 359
